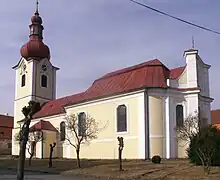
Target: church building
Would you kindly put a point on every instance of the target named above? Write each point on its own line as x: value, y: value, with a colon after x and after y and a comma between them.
x: 142, y: 103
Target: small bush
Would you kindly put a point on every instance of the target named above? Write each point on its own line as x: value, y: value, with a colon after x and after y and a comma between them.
x: 204, y: 147
x: 156, y: 159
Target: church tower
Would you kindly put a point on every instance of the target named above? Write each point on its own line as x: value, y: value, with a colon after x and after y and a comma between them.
x: 35, y: 75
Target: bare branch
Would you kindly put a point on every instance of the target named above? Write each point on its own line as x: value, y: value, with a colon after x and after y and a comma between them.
x: 80, y: 131
x: 189, y: 128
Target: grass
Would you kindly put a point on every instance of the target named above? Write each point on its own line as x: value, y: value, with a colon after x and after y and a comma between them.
x: 133, y: 169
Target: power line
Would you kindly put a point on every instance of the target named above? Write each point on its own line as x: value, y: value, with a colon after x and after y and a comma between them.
x: 182, y: 20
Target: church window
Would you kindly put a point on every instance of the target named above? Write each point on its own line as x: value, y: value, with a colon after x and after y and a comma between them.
x: 44, y: 81
x: 81, y: 124
x: 62, y: 131
x: 23, y: 79
x: 121, y: 118
x: 179, y: 115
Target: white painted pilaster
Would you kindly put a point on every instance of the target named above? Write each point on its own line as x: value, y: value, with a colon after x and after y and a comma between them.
x: 167, y: 126
x: 141, y: 128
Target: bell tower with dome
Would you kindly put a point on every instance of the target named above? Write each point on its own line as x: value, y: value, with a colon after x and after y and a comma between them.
x: 35, y: 74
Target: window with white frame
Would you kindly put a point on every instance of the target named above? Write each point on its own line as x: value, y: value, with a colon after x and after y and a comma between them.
x: 179, y: 115
x: 81, y: 124
x: 44, y: 81
x: 121, y: 118
x: 23, y: 80
x: 62, y: 131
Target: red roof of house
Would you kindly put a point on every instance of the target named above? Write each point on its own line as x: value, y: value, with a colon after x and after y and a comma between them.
x: 151, y: 74
x: 215, y: 116
x: 6, y: 121
x: 43, y: 125
x: 176, y: 72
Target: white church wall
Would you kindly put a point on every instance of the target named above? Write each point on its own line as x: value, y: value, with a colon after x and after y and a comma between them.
x: 203, y: 77
x: 191, y: 68
x: 55, y: 121
x: 156, y: 126
x: 15, y: 144
x: 105, y: 114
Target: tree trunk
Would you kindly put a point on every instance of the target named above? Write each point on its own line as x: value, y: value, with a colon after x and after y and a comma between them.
x: 120, y: 159
x: 78, y: 159
x: 21, y: 161
x: 23, y: 143
x: 31, y: 156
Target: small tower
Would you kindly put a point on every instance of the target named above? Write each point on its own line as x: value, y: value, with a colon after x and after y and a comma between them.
x: 35, y: 75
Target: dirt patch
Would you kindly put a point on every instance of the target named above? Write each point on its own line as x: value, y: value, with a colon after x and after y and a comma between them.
x: 168, y: 169
x: 108, y: 169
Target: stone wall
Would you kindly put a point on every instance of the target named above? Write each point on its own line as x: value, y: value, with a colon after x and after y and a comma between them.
x: 5, y: 146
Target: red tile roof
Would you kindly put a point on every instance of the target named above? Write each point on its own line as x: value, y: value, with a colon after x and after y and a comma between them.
x: 6, y: 121
x: 176, y: 72
x: 43, y: 125
x: 145, y: 75
x: 215, y: 116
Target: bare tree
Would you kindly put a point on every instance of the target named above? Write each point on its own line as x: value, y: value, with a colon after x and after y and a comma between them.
x: 80, y: 132
x: 120, y: 149
x: 52, y: 146
x: 35, y: 136
x: 28, y: 112
x: 189, y: 128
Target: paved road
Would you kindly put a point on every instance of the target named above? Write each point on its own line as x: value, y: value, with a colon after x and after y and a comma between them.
x: 11, y: 175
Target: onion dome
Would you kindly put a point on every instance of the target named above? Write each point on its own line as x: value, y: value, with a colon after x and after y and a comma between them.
x: 35, y: 48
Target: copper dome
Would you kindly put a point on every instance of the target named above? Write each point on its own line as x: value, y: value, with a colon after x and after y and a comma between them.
x: 35, y: 48
x: 36, y: 19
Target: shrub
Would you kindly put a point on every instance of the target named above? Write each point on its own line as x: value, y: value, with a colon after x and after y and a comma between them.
x: 204, y: 147
x: 156, y: 159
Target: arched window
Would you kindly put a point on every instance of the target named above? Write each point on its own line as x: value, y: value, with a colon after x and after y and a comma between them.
x: 62, y: 131
x: 44, y: 81
x: 179, y: 115
x: 121, y: 118
x: 23, y: 79
x: 81, y: 124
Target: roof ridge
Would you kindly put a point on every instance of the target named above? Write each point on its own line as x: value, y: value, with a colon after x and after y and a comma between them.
x: 131, y: 68
x: 178, y: 67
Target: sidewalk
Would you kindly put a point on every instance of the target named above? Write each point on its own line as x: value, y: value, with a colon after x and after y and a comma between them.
x: 38, y: 170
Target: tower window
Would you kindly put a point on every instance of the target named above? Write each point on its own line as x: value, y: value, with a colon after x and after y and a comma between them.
x: 23, y: 79
x: 179, y: 115
x: 44, y: 81
x: 121, y: 118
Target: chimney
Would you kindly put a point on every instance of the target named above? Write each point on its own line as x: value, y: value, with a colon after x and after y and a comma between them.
x: 191, y: 65
x: 6, y: 114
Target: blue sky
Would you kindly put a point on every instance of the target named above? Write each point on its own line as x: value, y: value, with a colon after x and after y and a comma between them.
x: 88, y: 38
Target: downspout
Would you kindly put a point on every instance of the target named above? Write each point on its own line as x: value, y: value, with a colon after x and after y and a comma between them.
x: 42, y: 143
x: 146, y: 120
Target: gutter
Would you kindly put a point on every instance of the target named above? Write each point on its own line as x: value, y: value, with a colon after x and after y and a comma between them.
x: 146, y: 125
